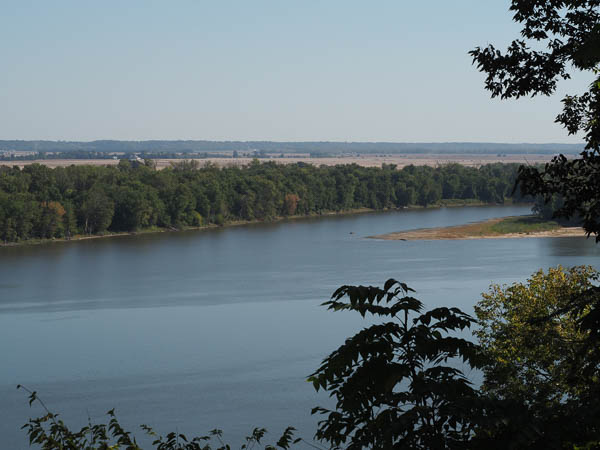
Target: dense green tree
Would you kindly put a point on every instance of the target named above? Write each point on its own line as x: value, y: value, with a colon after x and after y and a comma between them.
x: 69, y: 220
x: 23, y: 210
x: 8, y: 228
x: 530, y: 360
x: 133, y: 209
x: 451, y: 186
x: 49, y: 222
x: 429, y: 193
x: 41, y: 182
x: 96, y: 212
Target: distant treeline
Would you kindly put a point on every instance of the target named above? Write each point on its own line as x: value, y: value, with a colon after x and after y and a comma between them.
x: 84, y: 154
x: 39, y: 202
x: 320, y: 148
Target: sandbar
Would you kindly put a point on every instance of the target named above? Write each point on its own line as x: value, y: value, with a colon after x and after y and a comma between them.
x: 478, y: 230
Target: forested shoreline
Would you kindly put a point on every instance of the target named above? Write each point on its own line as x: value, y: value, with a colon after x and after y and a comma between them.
x: 37, y: 202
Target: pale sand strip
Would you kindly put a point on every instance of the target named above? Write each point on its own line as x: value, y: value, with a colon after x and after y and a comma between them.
x: 473, y: 231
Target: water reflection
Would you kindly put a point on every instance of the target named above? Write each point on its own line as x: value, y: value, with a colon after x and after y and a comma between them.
x: 574, y: 246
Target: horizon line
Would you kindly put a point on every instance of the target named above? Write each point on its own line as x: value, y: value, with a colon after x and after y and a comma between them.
x: 293, y: 141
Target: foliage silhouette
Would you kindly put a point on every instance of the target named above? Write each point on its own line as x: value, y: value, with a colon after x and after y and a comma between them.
x: 397, y: 384
x: 570, y: 31
x: 51, y: 433
x: 402, y: 383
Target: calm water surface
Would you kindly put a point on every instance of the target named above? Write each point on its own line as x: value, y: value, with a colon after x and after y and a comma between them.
x: 219, y: 328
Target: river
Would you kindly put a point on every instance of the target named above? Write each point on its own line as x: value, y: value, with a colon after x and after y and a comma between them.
x: 219, y: 328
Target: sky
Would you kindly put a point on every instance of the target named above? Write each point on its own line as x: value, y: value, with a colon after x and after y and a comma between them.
x: 280, y: 70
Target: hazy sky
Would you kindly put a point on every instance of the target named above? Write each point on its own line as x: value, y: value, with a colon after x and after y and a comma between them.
x: 260, y: 70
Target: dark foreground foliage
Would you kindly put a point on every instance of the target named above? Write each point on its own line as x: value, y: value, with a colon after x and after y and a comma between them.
x: 569, y: 30
x: 51, y: 433
x: 559, y: 36
x: 403, y: 382
x: 394, y: 383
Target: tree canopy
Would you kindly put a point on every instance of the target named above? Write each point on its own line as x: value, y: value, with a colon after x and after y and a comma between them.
x: 557, y: 36
x: 533, y: 359
x: 39, y: 202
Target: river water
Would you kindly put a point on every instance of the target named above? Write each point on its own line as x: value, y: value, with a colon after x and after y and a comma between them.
x: 219, y: 328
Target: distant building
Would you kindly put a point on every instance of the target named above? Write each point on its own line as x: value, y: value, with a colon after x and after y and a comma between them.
x: 135, y: 158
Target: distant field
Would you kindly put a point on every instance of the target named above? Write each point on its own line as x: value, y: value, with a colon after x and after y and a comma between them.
x: 366, y: 161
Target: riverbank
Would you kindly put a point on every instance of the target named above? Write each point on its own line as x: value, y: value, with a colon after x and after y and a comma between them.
x: 498, y: 228
x: 80, y: 237
x: 235, y: 223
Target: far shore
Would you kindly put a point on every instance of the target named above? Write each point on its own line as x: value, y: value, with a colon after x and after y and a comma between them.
x: 477, y: 230
x: 83, y: 237
x: 355, y: 211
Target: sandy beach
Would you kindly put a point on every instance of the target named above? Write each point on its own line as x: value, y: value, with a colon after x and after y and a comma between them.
x: 479, y: 230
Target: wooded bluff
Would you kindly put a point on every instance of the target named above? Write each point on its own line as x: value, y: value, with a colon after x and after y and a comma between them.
x: 37, y: 202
